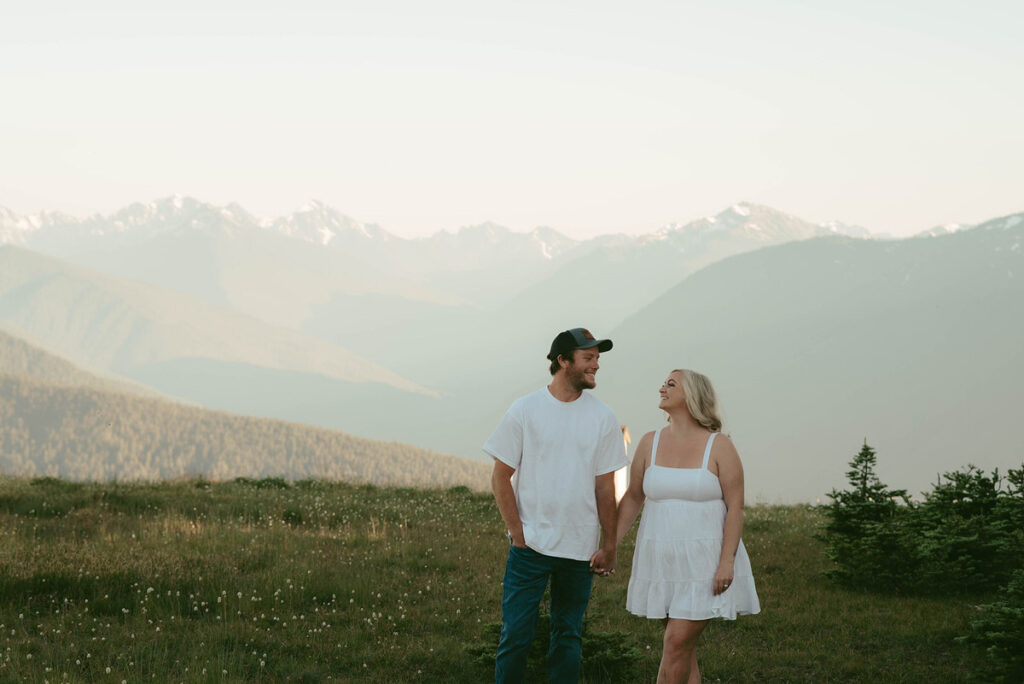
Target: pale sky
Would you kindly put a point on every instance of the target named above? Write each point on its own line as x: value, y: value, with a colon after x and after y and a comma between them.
x: 589, y: 117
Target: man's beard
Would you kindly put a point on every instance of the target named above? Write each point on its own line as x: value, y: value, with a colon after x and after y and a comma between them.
x: 578, y: 380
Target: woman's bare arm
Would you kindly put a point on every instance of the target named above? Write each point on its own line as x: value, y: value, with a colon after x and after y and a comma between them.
x: 633, y: 499
x: 730, y: 475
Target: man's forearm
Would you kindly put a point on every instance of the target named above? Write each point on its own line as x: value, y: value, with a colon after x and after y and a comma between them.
x: 505, y: 497
x: 604, y: 490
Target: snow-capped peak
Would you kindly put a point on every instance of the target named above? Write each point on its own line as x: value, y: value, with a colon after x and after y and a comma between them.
x: 320, y: 224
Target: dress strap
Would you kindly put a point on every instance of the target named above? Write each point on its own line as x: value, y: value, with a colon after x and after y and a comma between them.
x: 707, y: 450
x: 654, y: 447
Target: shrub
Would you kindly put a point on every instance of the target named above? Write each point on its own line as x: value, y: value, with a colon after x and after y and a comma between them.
x: 967, y: 535
x: 264, y: 483
x: 271, y: 483
x: 1008, y: 523
x: 292, y: 516
x: 56, y: 484
x: 959, y: 534
x: 1000, y: 631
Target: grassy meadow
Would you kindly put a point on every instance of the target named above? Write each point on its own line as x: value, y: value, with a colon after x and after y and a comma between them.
x: 200, y: 581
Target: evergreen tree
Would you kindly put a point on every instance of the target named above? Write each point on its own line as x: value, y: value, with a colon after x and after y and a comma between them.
x: 867, y: 536
x: 1000, y: 632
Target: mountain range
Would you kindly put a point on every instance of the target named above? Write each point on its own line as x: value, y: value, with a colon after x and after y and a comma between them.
x: 316, y: 317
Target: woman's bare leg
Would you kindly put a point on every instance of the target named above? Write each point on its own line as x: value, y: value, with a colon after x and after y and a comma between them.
x: 694, y: 670
x: 679, y: 657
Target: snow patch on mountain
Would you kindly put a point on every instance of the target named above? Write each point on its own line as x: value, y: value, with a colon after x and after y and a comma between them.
x: 545, y: 251
x: 839, y: 228
x: 660, y: 235
x: 945, y: 229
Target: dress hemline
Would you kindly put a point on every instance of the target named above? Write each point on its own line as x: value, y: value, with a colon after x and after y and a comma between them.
x: 696, y: 619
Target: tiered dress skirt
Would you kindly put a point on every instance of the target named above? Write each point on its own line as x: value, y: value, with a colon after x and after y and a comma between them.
x: 678, y: 547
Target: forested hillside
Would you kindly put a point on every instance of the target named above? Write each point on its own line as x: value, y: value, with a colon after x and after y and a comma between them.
x: 87, y: 434
x: 18, y: 357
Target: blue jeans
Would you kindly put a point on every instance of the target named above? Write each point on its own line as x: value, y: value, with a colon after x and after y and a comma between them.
x: 526, y: 577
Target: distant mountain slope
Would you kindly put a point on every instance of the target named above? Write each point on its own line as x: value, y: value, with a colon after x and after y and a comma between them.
x: 86, y: 434
x: 18, y: 357
x: 620, y: 278
x: 214, y: 357
x: 122, y: 325
x: 599, y: 289
x: 915, y: 345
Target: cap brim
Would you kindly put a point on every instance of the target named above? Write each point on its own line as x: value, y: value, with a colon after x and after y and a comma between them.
x: 602, y: 345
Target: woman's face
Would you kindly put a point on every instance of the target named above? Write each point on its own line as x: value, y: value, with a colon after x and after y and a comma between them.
x: 671, y: 391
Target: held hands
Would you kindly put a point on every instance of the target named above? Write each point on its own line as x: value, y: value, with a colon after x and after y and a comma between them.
x: 602, y: 563
x: 723, y: 578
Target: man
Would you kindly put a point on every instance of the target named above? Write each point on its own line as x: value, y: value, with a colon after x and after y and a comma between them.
x: 563, y: 445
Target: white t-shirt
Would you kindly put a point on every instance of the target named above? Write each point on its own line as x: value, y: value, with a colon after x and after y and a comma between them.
x: 557, y: 449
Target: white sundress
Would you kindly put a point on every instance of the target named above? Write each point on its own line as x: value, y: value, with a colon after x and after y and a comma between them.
x: 678, y: 547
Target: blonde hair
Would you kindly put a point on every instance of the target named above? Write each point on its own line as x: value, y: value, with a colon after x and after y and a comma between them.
x: 700, y: 399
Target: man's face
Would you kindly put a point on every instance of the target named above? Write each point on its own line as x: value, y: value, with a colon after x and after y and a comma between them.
x: 583, y: 369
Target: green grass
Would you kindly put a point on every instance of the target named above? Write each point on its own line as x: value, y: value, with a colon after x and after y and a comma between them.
x: 251, y: 581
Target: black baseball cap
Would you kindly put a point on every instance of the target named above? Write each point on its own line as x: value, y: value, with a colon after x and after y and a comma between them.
x: 577, y: 338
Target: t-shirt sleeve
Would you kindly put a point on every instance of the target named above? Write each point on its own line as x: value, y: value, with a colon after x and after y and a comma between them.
x: 611, y: 450
x: 506, y: 442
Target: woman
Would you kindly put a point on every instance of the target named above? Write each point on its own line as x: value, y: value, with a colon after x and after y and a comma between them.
x: 689, y: 564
